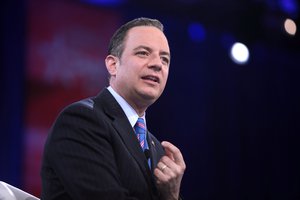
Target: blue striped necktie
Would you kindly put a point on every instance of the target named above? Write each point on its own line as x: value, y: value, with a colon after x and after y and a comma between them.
x: 140, y: 131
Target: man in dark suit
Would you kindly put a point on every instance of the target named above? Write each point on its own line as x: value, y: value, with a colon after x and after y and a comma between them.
x: 93, y: 152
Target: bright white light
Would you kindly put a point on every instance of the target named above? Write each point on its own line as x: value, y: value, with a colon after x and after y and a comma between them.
x: 290, y: 26
x: 239, y: 53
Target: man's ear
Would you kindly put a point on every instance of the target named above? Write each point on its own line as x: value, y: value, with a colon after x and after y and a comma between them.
x: 111, y: 63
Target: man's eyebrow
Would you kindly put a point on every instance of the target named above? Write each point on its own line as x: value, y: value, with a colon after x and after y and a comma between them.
x: 143, y: 47
x: 150, y: 50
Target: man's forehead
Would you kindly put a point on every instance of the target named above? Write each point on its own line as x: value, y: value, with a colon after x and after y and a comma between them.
x: 147, y: 38
x: 146, y: 33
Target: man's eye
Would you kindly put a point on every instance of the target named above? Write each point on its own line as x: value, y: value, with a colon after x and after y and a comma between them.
x: 143, y: 53
x: 165, y: 60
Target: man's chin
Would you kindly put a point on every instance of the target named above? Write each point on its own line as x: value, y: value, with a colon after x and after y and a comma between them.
x: 150, y: 97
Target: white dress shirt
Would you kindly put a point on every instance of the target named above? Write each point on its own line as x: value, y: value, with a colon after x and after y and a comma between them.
x: 131, y: 114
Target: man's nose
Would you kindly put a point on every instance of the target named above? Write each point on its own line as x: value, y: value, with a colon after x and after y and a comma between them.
x: 155, y: 63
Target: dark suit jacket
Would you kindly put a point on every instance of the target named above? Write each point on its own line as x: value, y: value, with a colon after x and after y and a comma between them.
x: 93, y: 153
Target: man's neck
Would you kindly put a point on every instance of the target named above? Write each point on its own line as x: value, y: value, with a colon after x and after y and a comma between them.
x: 139, y: 108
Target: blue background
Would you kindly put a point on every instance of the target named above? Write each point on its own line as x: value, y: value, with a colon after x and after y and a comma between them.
x: 236, y: 125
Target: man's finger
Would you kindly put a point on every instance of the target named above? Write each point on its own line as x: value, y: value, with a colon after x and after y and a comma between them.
x: 173, y: 152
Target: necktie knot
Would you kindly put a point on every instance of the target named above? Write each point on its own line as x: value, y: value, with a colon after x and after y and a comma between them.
x: 140, y: 127
x: 140, y: 131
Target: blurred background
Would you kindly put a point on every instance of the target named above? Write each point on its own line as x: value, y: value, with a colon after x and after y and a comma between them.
x: 231, y: 104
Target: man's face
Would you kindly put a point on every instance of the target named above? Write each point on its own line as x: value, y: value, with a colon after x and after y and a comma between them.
x: 142, y: 71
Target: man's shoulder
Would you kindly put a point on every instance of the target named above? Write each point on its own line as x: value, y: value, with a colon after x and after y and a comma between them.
x: 89, y: 103
x: 100, y: 107
x: 88, y: 112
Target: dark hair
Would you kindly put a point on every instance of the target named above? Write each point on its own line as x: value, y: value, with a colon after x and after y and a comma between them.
x: 116, y: 44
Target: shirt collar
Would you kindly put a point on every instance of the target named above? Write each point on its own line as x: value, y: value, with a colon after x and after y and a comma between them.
x: 130, y: 113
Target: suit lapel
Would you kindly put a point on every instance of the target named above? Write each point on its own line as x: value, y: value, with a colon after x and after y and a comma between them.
x: 125, y: 131
x: 152, y: 150
x: 156, y: 152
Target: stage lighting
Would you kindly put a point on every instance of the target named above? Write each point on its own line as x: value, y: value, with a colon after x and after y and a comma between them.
x: 290, y: 27
x: 239, y: 53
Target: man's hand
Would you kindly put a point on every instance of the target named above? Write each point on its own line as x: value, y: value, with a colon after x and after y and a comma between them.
x: 169, y: 172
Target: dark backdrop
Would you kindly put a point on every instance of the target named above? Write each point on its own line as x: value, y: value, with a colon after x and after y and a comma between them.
x: 237, y: 126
